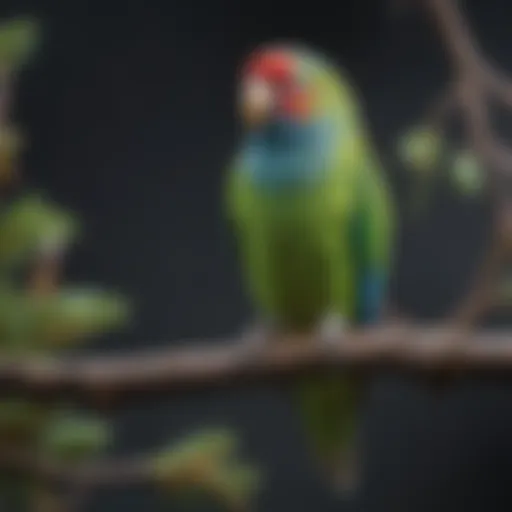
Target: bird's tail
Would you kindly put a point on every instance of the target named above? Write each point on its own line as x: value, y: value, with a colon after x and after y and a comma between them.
x: 329, y: 406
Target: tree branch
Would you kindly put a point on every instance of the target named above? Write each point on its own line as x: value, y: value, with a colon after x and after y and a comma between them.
x: 443, y: 106
x: 477, y: 82
x: 108, y: 473
x: 105, y: 381
x: 485, y: 286
x: 187, y: 470
x: 474, y: 84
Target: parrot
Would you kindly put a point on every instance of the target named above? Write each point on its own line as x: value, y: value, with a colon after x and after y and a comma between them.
x: 312, y: 216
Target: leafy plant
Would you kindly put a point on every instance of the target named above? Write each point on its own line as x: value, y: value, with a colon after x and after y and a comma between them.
x: 35, y: 233
x: 427, y: 155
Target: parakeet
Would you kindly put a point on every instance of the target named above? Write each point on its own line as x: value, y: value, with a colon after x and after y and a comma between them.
x: 313, y: 220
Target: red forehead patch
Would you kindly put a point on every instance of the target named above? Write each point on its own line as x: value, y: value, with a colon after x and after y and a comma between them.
x: 274, y: 66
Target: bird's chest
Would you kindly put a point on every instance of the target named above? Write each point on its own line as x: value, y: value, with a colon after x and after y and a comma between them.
x: 273, y: 170
x: 290, y: 205
x: 289, y: 238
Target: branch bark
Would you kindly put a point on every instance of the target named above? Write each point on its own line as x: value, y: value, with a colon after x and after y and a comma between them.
x: 107, y: 381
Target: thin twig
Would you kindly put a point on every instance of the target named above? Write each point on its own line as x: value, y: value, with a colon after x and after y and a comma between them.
x: 442, y: 108
x: 486, y: 285
x: 476, y: 84
x: 108, y: 473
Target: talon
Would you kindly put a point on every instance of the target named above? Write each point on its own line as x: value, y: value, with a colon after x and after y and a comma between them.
x: 332, y: 327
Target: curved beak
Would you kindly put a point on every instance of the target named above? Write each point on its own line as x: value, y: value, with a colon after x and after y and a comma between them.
x: 257, y: 101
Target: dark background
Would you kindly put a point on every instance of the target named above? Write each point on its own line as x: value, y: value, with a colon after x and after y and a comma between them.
x: 130, y: 112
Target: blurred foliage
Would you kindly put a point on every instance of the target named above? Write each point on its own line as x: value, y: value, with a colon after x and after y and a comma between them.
x: 35, y: 234
x: 467, y: 173
x: 428, y: 155
x: 421, y: 149
x: 72, y: 314
x: 20, y: 421
x: 11, y: 144
x: 208, y: 461
x: 19, y: 39
x: 72, y: 437
x: 33, y: 228
x: 31, y: 225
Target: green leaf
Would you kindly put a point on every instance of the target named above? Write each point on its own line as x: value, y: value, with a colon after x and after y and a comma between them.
x: 16, y: 323
x: 218, y: 443
x: 19, y: 38
x: 208, y: 445
x: 31, y: 224
x: 73, y: 314
x: 467, y: 174
x: 206, y: 463
x: 31, y: 323
x: 70, y: 437
x: 235, y: 486
x: 421, y: 149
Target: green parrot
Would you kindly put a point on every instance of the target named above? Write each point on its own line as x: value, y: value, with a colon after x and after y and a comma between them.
x: 313, y: 221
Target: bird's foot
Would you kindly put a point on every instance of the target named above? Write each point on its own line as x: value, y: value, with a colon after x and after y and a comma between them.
x: 331, y: 329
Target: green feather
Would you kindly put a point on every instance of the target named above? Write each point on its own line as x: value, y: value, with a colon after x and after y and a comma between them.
x: 302, y: 252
